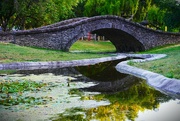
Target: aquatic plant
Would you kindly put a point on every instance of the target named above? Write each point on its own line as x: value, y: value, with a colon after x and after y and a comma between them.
x: 11, y: 92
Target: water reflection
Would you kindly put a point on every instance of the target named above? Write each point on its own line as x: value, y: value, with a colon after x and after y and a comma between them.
x: 124, y: 105
x: 107, y: 78
x: 125, y: 96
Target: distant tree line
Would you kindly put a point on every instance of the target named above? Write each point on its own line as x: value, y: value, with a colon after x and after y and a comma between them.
x: 27, y: 14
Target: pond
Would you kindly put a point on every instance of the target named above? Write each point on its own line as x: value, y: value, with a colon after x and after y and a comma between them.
x: 84, y: 93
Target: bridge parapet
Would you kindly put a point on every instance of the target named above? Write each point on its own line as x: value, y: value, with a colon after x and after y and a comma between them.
x: 6, y: 37
x: 62, y: 23
x: 124, y: 34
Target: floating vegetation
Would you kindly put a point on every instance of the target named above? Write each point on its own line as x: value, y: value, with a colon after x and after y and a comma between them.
x: 11, y: 92
x: 10, y: 86
x: 29, y: 101
x: 75, y: 92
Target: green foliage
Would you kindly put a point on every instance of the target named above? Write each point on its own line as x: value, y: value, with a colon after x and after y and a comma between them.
x: 11, y: 92
x: 64, y: 8
x: 27, y: 14
x: 6, y: 12
x: 155, y: 17
x: 142, y: 11
x: 170, y: 12
x: 80, y: 8
x: 112, y: 7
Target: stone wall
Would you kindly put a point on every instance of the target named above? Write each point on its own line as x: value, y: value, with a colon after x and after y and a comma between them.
x: 125, y: 35
x: 6, y: 37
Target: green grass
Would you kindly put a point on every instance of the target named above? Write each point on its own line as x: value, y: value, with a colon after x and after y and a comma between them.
x: 93, y: 46
x: 168, y: 66
x: 14, y: 53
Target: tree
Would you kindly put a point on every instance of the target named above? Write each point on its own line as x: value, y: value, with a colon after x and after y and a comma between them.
x: 6, y: 12
x: 143, y: 7
x: 20, y: 14
x: 27, y: 14
x: 155, y: 17
x: 171, y: 13
x: 111, y: 7
x: 91, y: 8
x: 65, y: 8
x: 35, y: 13
x: 80, y: 8
x: 172, y: 16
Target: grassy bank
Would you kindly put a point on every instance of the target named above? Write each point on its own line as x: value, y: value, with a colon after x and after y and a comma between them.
x: 15, y: 53
x: 168, y: 66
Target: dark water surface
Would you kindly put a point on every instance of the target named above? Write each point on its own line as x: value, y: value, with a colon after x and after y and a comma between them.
x: 87, y: 93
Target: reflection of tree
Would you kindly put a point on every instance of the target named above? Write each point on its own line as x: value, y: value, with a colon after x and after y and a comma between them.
x: 128, y: 103
x: 114, y: 112
x: 93, y: 70
x: 71, y: 115
x: 124, y: 105
x: 102, y: 71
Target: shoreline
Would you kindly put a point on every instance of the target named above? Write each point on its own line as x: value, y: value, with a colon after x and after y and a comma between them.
x: 166, y: 85
x: 158, y: 81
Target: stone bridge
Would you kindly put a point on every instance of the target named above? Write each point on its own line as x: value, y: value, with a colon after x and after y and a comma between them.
x: 126, y: 36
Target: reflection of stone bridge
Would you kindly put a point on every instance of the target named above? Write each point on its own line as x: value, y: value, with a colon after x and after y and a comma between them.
x: 125, y: 35
x: 117, y: 82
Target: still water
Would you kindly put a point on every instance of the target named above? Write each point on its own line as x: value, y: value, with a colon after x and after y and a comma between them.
x: 84, y: 93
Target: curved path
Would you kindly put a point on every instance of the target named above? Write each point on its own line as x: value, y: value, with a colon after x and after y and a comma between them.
x: 160, y: 82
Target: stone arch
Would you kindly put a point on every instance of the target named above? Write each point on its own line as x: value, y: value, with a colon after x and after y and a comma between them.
x: 125, y: 35
x: 73, y: 40
x: 123, y: 41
